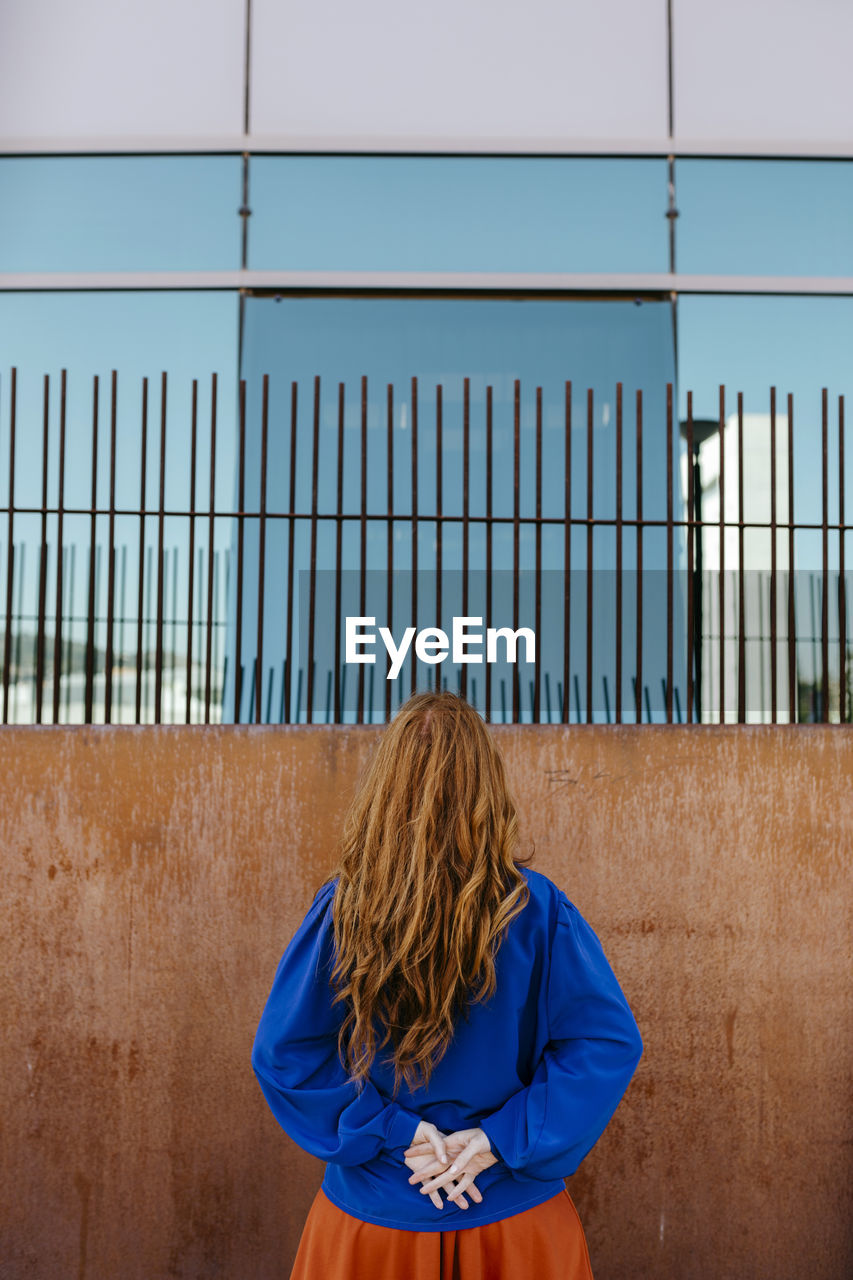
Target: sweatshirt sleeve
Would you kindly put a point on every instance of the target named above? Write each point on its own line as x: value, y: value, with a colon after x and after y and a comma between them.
x: 545, y: 1130
x: 295, y: 1057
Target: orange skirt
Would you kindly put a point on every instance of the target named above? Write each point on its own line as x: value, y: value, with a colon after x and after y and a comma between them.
x: 543, y: 1243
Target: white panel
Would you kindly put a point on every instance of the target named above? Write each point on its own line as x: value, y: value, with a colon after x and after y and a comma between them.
x: 471, y: 68
x: 121, y: 67
x: 764, y: 70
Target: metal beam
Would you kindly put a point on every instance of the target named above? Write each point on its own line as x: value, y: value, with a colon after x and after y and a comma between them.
x: 390, y: 144
x: 663, y: 283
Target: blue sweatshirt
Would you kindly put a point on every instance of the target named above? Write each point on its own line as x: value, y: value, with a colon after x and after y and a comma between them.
x: 540, y: 1067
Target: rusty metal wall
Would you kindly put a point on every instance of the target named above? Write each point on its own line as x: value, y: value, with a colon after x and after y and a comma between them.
x: 151, y: 878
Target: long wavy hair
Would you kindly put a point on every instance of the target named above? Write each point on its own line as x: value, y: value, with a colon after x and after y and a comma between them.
x: 428, y: 882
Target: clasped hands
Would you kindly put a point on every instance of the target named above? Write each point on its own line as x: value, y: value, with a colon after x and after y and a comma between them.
x: 469, y: 1151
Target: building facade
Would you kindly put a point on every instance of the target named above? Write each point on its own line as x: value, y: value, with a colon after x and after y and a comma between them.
x: 618, y: 196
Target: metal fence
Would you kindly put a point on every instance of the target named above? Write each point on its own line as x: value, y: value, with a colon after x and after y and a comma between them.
x: 136, y: 628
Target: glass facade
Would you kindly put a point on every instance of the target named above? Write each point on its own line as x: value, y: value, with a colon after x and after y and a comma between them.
x: 190, y: 335
x: 765, y: 217
x: 390, y: 214
x: 457, y: 213
x: 494, y: 343
x: 120, y: 213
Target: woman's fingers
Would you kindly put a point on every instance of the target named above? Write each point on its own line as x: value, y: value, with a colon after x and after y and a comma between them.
x: 437, y: 1138
x: 422, y: 1147
x: 428, y: 1138
x: 435, y: 1176
x: 422, y: 1154
x: 428, y: 1134
x: 457, y: 1197
x: 467, y: 1153
x: 465, y: 1183
x: 428, y: 1171
x: 451, y: 1174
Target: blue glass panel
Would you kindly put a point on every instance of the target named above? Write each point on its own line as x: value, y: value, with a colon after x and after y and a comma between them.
x: 461, y: 213
x: 765, y: 217
x: 138, y: 334
x: 493, y: 342
x: 120, y: 213
x: 799, y: 345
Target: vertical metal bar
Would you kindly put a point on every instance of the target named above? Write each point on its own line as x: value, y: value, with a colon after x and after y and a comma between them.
x: 146, y: 683
x: 439, y: 500
x: 10, y: 545
x: 669, y: 555
x: 842, y: 587
x: 339, y: 531
x: 538, y: 581
x: 516, y: 530
x: 638, y: 687
x: 191, y: 556
x: 57, y: 638
x: 389, y: 555
x: 567, y: 554
x: 224, y: 558
x: 262, y: 546
x: 362, y: 559
x: 140, y: 607
x: 312, y: 581
x: 792, y: 639
x: 414, y: 622
x: 199, y: 690
x: 241, y: 503
x: 72, y: 559
x: 211, y: 561
x: 466, y: 449
x: 42, y: 600
x: 173, y: 658
x: 618, y: 691
x: 122, y: 614
x: 824, y: 615
x: 111, y: 561
x: 722, y: 655
x: 161, y: 530
x: 815, y: 716
x: 90, y: 629
x: 489, y: 527
x: 773, y: 515
x: 288, y: 664
x: 741, y: 639
x: 22, y: 577
x: 589, y: 550
x: 691, y: 533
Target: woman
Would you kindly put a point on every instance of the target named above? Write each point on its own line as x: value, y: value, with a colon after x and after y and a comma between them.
x: 444, y: 1022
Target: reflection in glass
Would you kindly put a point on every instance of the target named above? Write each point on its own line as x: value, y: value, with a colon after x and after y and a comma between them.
x: 120, y: 213
x: 440, y: 341
x: 138, y: 335
x: 460, y: 213
x: 765, y: 217
x: 797, y: 346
